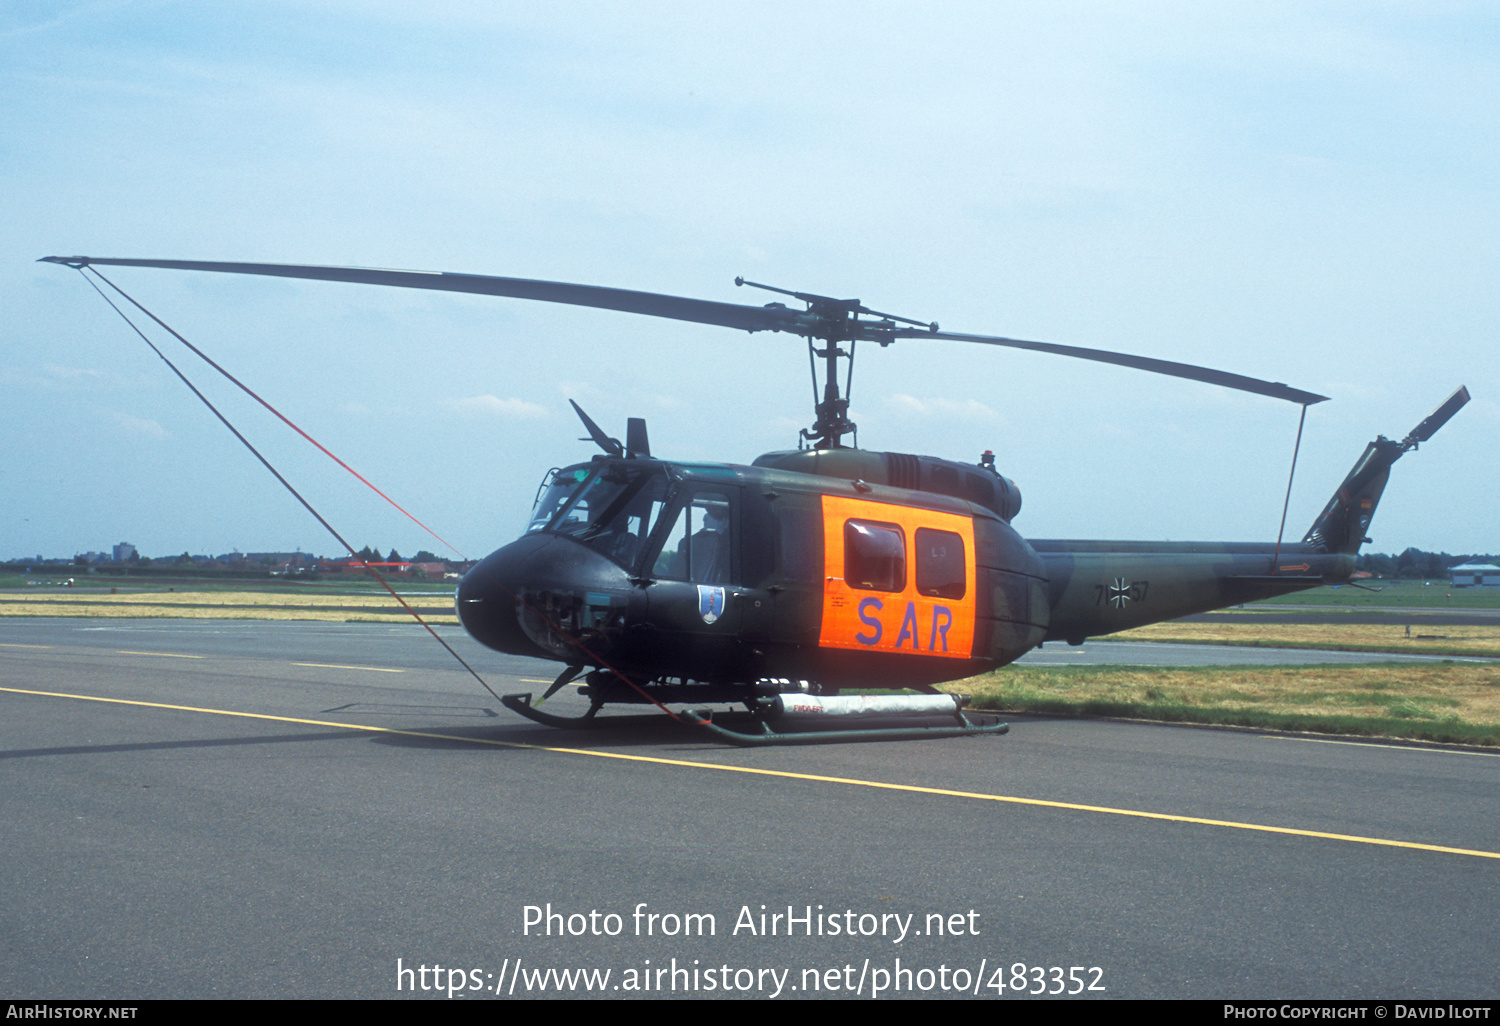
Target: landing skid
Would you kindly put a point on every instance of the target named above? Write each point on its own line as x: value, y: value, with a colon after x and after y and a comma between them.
x: 769, y: 737
x: 522, y: 704
x: 960, y: 726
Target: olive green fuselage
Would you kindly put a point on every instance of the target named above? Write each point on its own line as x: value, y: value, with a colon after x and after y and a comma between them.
x: 1100, y: 587
x: 732, y: 575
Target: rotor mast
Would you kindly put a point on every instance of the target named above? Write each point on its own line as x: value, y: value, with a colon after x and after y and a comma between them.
x: 832, y: 421
x: 833, y: 321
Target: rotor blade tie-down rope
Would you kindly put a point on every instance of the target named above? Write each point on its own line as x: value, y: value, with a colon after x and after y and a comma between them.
x: 1296, y: 448
x: 329, y: 527
x: 274, y: 411
x: 274, y: 472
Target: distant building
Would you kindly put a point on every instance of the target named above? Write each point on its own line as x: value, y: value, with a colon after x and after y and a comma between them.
x: 281, y: 559
x: 1476, y: 575
x: 124, y: 552
x: 358, y: 566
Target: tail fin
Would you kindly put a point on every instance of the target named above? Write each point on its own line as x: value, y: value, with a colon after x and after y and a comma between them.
x: 1341, y: 526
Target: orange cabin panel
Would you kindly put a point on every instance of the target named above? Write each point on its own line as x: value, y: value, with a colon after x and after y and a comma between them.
x: 924, y: 606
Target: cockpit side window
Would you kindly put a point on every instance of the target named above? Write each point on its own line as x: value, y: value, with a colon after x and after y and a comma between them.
x: 699, y: 546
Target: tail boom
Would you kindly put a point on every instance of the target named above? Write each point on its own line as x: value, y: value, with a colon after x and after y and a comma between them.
x: 1099, y: 588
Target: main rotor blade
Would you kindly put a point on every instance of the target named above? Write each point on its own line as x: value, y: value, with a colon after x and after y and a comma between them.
x: 652, y: 304
x: 1274, y: 389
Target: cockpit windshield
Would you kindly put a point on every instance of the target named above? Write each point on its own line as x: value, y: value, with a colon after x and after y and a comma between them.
x: 612, y: 510
x: 555, y: 490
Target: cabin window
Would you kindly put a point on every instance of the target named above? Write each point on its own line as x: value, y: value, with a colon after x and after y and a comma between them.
x: 874, y: 556
x: 940, y: 564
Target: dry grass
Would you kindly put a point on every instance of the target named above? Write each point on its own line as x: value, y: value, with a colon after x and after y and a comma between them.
x: 1465, y: 640
x: 1438, y: 701
x: 224, y: 605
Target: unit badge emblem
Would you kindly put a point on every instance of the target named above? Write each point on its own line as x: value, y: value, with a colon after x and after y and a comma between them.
x: 710, y: 602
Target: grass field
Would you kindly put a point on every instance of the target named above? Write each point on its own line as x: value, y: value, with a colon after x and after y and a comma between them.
x: 1481, y: 640
x: 91, y: 584
x: 1434, y: 595
x: 296, y: 603
x: 1439, y: 701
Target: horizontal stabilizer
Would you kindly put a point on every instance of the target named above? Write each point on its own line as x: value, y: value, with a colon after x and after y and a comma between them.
x: 1280, y: 579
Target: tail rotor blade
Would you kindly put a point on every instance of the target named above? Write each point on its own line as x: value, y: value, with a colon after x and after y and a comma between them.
x: 1439, y: 417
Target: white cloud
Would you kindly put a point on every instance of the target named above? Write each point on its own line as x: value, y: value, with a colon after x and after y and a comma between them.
x: 492, y: 406
x: 139, y: 427
x: 963, y: 409
x: 57, y: 371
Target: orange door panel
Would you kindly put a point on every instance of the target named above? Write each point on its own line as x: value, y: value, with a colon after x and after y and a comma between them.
x: 923, y: 606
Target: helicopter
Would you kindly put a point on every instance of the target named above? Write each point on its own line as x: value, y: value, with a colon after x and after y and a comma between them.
x: 827, y: 568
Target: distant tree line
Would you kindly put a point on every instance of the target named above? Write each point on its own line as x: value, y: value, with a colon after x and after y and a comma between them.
x: 304, y: 564
x: 369, y: 555
x: 1416, y: 563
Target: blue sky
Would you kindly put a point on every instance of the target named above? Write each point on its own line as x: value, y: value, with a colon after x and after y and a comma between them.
x: 1299, y: 192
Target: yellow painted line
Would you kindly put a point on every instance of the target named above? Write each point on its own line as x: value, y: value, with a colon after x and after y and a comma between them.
x: 340, y: 666
x: 164, y: 655
x: 784, y: 774
x: 1377, y: 744
x: 7, y: 644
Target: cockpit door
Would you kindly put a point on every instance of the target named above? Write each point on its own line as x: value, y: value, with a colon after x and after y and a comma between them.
x: 695, y: 606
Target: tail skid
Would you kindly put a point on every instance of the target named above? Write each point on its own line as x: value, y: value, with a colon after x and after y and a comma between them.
x: 1341, y: 527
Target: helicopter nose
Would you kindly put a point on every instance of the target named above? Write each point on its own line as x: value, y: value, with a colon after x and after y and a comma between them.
x: 488, y: 602
x: 532, y: 596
